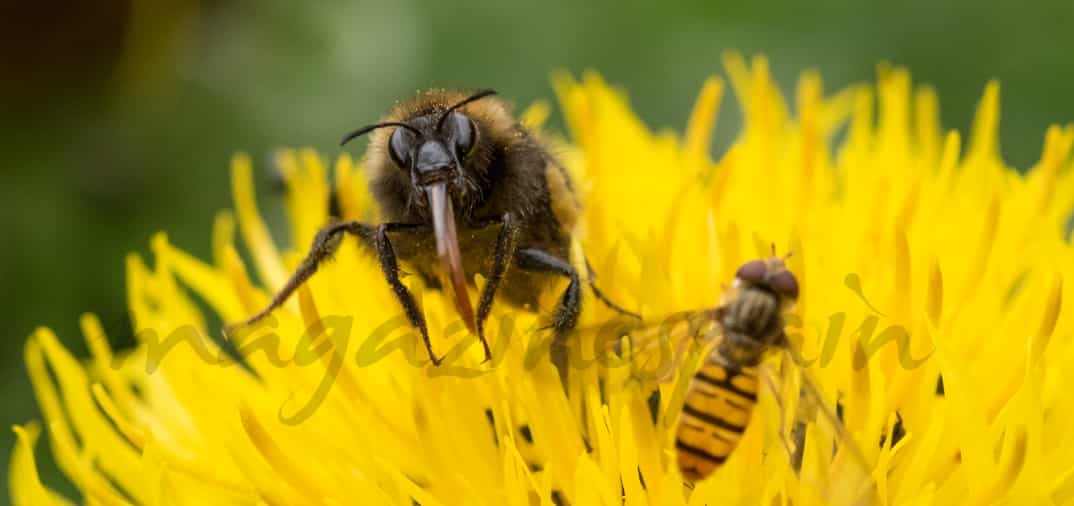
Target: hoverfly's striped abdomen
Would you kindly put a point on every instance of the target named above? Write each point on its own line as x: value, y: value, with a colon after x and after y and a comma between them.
x: 717, y: 410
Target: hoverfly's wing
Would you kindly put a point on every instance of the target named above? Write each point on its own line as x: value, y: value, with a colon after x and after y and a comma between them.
x: 652, y: 350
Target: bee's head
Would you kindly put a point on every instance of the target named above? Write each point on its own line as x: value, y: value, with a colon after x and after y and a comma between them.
x: 436, y: 149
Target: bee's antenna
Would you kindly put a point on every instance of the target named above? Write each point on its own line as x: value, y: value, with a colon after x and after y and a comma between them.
x: 476, y: 96
x: 369, y: 128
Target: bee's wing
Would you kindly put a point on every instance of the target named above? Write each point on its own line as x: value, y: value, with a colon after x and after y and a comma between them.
x: 654, y: 349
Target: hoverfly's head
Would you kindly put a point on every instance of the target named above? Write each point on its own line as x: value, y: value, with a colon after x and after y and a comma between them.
x: 771, y: 275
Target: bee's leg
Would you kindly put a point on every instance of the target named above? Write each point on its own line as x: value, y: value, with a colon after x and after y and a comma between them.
x: 604, y: 298
x: 390, y: 267
x: 567, y: 310
x: 505, y: 249
x: 325, y: 245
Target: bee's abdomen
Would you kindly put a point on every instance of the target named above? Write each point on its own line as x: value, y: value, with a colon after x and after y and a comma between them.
x: 717, y: 410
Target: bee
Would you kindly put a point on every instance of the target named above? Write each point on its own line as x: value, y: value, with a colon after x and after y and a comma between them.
x: 722, y: 394
x: 462, y: 188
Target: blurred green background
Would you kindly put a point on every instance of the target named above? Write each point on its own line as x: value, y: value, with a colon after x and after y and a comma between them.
x: 117, y: 118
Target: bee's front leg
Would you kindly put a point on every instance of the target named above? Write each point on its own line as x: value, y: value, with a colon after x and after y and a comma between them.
x: 324, y: 247
x: 389, y: 265
x: 506, y: 242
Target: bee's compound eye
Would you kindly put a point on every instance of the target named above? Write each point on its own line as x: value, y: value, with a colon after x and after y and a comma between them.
x: 399, y: 147
x: 785, y: 284
x: 752, y: 271
x: 463, y: 132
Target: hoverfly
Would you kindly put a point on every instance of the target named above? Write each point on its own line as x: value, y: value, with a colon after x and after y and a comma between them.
x: 735, y: 337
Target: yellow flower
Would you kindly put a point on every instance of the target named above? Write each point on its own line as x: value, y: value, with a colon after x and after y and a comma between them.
x: 918, y: 259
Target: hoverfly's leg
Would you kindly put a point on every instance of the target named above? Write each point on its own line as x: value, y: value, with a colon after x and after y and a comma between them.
x: 810, y: 388
x: 565, y: 317
x: 778, y: 397
x: 505, y: 249
x: 798, y: 432
x: 798, y: 436
x: 604, y: 298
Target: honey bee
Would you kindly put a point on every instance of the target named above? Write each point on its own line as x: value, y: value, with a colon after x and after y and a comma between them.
x: 462, y: 188
x: 723, y: 392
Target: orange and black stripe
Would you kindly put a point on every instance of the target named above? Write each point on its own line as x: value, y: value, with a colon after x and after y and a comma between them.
x: 716, y: 412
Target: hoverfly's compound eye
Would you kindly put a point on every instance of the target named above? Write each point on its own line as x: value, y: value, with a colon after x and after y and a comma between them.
x: 399, y: 147
x: 785, y: 284
x: 752, y: 271
x: 463, y: 131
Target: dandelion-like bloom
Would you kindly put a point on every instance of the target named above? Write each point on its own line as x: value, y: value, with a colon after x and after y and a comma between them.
x: 920, y: 262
